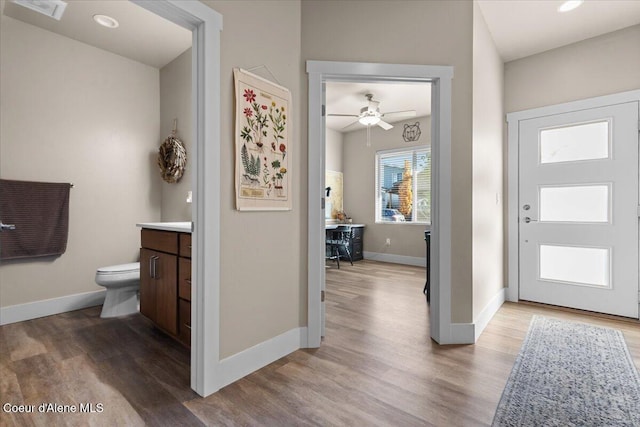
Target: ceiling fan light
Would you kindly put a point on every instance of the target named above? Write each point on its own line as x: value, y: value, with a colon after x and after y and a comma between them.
x: 369, y: 120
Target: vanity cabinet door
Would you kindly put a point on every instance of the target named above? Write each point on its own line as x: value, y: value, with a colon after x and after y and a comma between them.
x: 147, y: 284
x: 158, y: 288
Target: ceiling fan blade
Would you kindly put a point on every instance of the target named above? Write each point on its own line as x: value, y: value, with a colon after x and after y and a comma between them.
x: 343, y: 115
x: 384, y: 125
x: 350, y: 125
x: 406, y: 113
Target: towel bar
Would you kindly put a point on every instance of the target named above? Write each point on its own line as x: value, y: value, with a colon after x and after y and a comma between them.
x: 7, y: 226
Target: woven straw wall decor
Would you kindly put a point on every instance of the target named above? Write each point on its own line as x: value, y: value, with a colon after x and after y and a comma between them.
x: 172, y: 157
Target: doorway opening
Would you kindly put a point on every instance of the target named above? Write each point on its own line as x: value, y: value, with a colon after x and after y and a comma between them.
x: 205, y: 25
x: 378, y: 176
x: 439, y: 77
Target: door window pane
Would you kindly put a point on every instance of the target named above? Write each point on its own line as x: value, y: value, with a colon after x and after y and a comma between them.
x: 577, y: 203
x: 576, y: 265
x: 572, y: 143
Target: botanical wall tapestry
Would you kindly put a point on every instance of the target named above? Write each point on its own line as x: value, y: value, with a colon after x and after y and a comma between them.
x: 262, y: 141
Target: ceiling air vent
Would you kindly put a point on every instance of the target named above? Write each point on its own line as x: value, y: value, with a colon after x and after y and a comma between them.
x: 51, y: 8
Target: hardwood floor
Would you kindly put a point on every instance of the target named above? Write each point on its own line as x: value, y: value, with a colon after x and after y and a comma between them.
x: 377, y: 365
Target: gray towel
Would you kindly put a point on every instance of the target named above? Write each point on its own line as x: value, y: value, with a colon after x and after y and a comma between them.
x: 40, y: 212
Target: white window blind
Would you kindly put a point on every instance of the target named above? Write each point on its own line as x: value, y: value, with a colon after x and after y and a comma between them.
x: 403, y: 185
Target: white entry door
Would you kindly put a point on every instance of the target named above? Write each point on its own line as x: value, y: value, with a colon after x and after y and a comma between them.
x: 578, y: 213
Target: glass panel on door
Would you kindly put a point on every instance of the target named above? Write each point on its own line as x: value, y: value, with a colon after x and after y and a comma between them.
x: 571, y: 143
x: 575, y: 265
x: 575, y: 203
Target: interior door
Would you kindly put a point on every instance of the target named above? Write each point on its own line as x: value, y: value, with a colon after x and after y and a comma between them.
x: 578, y: 218
x: 323, y: 279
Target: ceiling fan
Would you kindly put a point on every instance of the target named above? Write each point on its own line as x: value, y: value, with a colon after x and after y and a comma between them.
x: 370, y: 115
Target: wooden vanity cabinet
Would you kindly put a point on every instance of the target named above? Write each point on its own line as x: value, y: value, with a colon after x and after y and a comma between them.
x: 184, y: 290
x: 158, y: 293
x: 164, y: 274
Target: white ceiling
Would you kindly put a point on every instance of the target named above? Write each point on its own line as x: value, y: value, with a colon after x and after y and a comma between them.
x: 525, y: 27
x: 142, y: 36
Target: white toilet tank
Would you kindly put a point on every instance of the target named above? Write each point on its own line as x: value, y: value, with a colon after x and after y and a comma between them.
x: 118, y: 275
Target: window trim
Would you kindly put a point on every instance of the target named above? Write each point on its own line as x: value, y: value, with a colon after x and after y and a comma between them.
x: 377, y: 199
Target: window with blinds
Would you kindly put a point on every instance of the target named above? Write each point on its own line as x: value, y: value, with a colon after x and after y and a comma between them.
x: 403, y: 185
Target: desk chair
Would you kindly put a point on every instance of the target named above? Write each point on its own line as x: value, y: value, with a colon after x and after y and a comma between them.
x: 338, y: 240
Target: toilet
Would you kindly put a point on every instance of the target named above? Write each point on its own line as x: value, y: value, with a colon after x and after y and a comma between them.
x: 122, y: 283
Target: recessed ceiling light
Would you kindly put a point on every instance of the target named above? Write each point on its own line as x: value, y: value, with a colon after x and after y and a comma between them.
x: 106, y: 21
x: 569, y: 5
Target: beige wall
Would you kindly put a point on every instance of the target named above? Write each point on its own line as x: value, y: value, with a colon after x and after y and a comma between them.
x: 333, y: 150
x: 175, y: 103
x: 488, y: 120
x: 359, y: 189
x: 409, y: 32
x: 599, y: 66
x: 263, y: 288
x: 74, y: 113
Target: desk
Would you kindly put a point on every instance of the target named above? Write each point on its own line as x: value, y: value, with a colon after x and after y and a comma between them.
x: 355, y: 245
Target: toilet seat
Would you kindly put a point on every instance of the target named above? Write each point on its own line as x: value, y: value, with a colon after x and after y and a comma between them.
x: 118, y: 275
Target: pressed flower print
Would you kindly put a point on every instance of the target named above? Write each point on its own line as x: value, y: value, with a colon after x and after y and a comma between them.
x: 263, y: 169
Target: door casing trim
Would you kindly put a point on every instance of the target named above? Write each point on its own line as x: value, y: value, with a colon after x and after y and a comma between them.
x: 442, y: 330
x: 206, y: 26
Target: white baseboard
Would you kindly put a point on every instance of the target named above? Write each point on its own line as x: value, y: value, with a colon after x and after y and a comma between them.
x: 396, y: 259
x: 48, y: 307
x: 488, y: 312
x: 260, y: 355
x: 468, y: 333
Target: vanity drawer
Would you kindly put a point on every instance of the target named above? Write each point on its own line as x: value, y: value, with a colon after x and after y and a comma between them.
x: 184, y: 329
x: 163, y: 241
x: 185, y: 245
x: 184, y: 279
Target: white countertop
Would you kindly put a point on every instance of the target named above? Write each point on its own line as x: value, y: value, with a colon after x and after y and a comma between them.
x: 182, y: 227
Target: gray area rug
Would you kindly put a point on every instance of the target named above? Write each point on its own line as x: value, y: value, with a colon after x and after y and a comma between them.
x: 571, y: 374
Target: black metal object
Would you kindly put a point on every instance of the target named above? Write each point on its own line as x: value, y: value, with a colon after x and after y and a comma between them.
x: 338, y: 241
x: 427, y: 285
